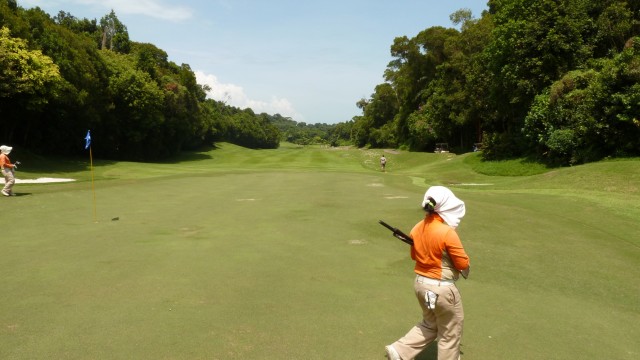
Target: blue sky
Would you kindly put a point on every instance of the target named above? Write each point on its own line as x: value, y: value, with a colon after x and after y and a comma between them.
x: 311, y: 61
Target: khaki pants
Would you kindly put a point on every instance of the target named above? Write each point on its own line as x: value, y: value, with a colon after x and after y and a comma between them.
x: 445, y: 323
x: 9, y: 180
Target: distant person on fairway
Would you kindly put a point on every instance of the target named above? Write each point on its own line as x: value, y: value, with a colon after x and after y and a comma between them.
x: 383, y: 162
x: 440, y: 259
x: 8, y: 170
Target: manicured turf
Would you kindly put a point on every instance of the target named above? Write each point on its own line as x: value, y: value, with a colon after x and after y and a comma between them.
x: 277, y: 254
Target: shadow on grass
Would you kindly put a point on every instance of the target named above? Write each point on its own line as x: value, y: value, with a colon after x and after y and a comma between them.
x: 430, y: 353
x: 34, y: 163
x: 185, y: 156
x: 523, y: 166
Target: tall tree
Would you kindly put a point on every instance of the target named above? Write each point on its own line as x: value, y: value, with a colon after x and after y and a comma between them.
x: 534, y: 43
x: 12, y: 4
x: 79, y: 26
x: 28, y: 80
x: 454, y: 100
x: 114, y: 34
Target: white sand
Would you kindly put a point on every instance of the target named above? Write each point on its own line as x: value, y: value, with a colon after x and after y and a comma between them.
x: 39, y: 180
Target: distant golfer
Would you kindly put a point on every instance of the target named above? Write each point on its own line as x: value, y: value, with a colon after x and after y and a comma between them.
x: 440, y: 259
x: 383, y: 162
x: 8, y: 170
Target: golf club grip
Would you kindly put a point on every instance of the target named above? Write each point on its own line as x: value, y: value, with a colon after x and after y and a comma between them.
x: 397, y: 233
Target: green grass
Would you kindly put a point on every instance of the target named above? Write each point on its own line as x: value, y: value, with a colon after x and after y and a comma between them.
x: 276, y: 254
x: 514, y: 167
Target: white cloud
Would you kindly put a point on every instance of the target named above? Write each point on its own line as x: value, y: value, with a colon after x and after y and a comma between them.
x: 234, y: 95
x: 151, y: 8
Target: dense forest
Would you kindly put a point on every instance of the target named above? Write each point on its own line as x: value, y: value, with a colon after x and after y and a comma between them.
x: 557, y: 80
x: 61, y: 76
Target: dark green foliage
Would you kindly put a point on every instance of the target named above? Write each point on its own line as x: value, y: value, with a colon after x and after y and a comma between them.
x: 542, y: 78
x: 306, y: 134
x: 590, y: 114
x: 88, y: 75
x: 249, y: 130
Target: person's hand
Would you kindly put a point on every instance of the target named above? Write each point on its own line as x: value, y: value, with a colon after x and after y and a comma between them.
x: 15, y: 166
x: 465, y: 272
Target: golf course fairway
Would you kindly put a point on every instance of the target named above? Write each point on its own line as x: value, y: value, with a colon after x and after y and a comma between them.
x: 233, y: 253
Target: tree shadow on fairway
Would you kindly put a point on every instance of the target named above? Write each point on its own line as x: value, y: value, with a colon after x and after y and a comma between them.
x: 196, y: 155
x: 40, y: 164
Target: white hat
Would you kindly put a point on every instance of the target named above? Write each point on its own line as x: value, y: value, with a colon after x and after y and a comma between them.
x: 447, y: 205
x: 5, y: 149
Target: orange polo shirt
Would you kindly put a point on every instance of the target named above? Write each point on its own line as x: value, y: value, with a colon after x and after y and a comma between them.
x: 437, y: 249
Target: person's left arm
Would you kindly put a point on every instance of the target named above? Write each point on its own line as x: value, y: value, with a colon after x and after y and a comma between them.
x: 456, y: 251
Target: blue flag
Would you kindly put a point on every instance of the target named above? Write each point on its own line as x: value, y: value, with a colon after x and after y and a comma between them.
x: 87, y: 140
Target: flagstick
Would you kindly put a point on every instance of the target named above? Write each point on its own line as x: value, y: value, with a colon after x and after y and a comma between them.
x: 93, y: 188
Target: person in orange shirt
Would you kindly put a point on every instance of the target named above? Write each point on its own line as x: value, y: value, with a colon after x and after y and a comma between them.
x: 439, y: 259
x: 8, y: 170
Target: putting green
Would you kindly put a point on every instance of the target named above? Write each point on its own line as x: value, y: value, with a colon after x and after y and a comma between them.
x: 244, y: 254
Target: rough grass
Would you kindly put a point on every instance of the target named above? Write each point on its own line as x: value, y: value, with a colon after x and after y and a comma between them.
x: 240, y: 254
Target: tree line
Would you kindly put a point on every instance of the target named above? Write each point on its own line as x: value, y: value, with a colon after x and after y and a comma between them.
x: 558, y: 80
x: 61, y: 75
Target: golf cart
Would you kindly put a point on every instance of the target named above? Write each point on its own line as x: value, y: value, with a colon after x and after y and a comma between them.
x: 442, y: 148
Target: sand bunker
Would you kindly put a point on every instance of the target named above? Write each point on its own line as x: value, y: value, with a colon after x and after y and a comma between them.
x: 40, y: 181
